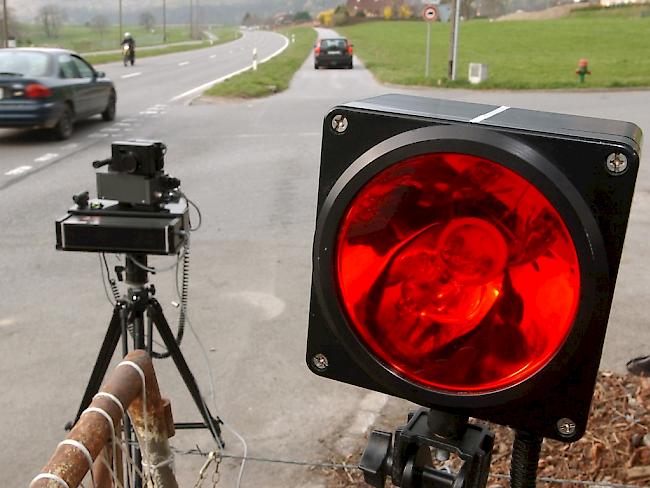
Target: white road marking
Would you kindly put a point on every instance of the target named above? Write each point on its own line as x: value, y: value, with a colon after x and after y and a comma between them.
x: 46, y: 157
x: 205, y: 86
x: 131, y: 75
x: 97, y: 136
x: 486, y: 116
x: 280, y: 134
x: 212, y: 56
x: 184, y: 63
x: 130, y: 119
x: 122, y: 124
x: 110, y: 129
x: 7, y: 321
x: 72, y: 145
x: 18, y: 170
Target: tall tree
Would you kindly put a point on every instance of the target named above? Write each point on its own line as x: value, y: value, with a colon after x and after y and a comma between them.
x: 51, y: 17
x: 12, y: 24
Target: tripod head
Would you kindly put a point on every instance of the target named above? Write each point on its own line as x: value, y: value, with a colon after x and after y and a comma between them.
x: 408, y: 461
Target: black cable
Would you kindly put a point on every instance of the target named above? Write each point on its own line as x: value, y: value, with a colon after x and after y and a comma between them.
x: 111, y: 281
x: 183, y: 295
x: 525, y: 458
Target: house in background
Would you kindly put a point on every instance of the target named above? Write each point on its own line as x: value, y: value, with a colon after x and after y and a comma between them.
x: 372, y: 8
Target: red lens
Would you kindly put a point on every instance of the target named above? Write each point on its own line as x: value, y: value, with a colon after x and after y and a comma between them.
x: 36, y: 90
x: 457, y: 272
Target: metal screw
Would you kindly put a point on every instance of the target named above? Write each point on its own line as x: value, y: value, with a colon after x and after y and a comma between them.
x: 320, y: 361
x: 566, y: 427
x: 616, y: 163
x: 340, y: 123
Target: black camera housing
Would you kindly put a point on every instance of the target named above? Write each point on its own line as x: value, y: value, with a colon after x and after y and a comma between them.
x: 563, y: 156
x: 139, y: 209
x: 145, y: 158
x: 135, y: 174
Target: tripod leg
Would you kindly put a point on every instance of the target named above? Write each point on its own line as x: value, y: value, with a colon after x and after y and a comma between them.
x: 170, y: 341
x: 103, y: 360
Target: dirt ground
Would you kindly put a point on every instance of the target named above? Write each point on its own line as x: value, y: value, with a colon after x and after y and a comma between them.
x: 615, y: 449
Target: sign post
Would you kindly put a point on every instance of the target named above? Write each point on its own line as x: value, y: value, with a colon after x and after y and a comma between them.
x: 429, y: 14
x: 453, y: 48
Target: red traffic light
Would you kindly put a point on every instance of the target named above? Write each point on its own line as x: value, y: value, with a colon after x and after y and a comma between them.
x: 457, y: 272
x: 465, y: 255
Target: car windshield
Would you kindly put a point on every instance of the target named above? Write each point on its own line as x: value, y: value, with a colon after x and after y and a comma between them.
x: 30, y: 64
x: 333, y: 44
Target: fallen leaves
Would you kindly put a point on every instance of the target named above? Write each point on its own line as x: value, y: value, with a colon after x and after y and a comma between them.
x: 615, y: 449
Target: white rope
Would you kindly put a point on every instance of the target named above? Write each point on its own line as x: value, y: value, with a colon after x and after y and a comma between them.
x: 113, y: 398
x: 116, y: 401
x: 167, y: 462
x: 81, y: 448
x: 110, y: 468
x: 109, y: 419
x: 49, y: 476
x: 145, y: 454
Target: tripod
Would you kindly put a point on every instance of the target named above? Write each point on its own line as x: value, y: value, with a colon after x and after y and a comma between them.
x: 139, y: 308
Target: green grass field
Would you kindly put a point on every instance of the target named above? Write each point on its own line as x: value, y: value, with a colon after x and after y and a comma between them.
x: 86, y: 39
x: 519, y: 54
x: 110, y: 58
x: 273, y: 76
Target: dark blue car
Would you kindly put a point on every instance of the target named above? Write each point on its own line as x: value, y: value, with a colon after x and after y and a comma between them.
x: 51, y: 88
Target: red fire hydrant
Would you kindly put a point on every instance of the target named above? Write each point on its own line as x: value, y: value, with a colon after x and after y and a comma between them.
x: 583, y: 69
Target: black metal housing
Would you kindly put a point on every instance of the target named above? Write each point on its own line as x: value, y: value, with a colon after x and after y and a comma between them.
x: 119, y: 229
x: 564, y: 156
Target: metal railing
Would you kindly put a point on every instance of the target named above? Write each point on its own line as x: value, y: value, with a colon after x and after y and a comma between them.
x: 132, y: 387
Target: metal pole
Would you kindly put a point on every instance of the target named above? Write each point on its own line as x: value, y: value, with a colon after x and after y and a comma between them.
x: 164, y: 21
x: 191, y: 20
x: 456, y: 32
x: 5, y: 21
x: 426, y: 66
x: 120, y: 20
x: 453, y: 48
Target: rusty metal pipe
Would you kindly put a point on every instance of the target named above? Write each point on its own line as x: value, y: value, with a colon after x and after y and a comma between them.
x: 94, y: 431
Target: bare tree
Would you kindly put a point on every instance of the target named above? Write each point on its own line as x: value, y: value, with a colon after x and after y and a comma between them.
x: 12, y: 24
x: 99, y: 23
x: 147, y: 20
x: 51, y: 17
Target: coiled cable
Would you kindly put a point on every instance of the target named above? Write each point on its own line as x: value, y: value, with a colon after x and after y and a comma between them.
x: 525, y: 458
x: 183, y: 293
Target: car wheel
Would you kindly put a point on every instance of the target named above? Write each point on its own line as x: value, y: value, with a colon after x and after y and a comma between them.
x: 65, y: 126
x: 109, y: 113
x: 316, y: 66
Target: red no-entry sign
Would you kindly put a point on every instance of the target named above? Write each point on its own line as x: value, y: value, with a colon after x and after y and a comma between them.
x: 430, y: 13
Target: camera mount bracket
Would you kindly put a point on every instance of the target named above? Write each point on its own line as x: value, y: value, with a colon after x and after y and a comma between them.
x: 408, y: 461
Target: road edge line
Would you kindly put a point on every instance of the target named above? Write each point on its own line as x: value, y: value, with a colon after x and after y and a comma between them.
x: 210, y: 84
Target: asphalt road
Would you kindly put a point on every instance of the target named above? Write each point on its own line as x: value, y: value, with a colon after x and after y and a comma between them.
x: 252, y: 166
x: 145, y: 91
